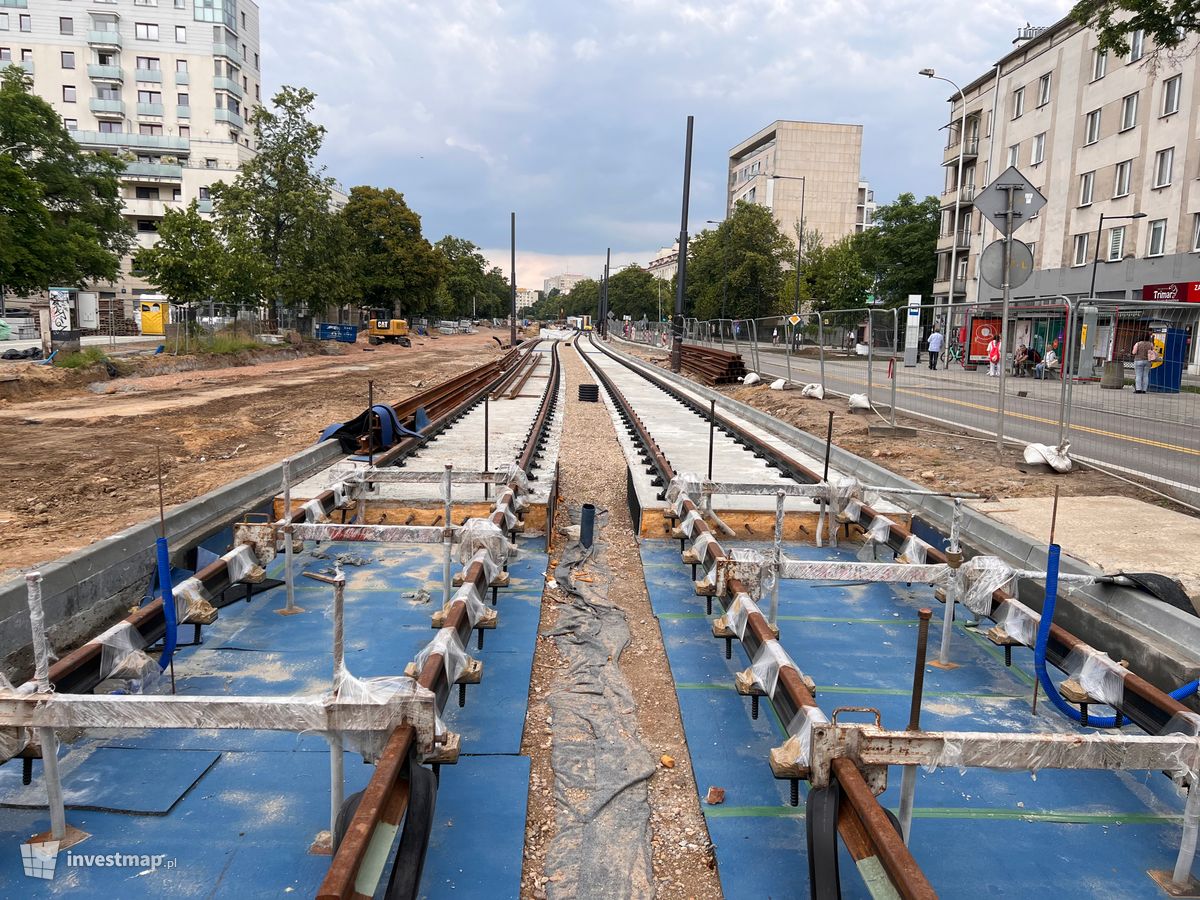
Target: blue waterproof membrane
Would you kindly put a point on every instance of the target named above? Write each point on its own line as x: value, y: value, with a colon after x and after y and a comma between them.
x: 1076, y: 833
x: 237, y: 811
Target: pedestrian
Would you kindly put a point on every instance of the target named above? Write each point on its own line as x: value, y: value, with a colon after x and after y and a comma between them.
x: 1144, y: 353
x: 774, y: 336
x: 1020, y: 361
x: 935, y: 346
x: 993, y: 355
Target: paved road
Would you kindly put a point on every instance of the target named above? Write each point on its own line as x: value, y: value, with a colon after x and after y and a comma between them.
x: 1156, y: 436
x: 95, y: 340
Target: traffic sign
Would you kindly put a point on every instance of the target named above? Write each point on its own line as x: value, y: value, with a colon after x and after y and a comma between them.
x: 992, y: 201
x: 1020, y: 264
x: 795, y: 319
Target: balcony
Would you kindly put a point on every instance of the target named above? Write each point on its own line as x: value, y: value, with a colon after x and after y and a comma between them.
x: 107, y: 109
x: 225, y: 115
x: 228, y: 84
x: 204, y: 206
x: 143, y: 170
x: 27, y: 65
x: 969, y: 148
x: 182, y: 78
x: 105, y: 73
x: 104, y: 38
x: 150, y: 109
x: 148, y: 209
x: 228, y: 51
x: 964, y: 196
x: 183, y: 112
x: 149, y: 75
x: 111, y: 141
x: 14, y: 4
x: 941, y: 285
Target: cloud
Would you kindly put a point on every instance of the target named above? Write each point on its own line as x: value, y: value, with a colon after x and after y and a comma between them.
x: 573, y: 114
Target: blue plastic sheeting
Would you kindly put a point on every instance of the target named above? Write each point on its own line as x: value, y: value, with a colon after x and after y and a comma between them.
x: 243, y: 827
x: 857, y: 642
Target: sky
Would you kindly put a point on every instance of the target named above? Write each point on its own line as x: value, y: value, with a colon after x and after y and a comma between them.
x: 572, y: 113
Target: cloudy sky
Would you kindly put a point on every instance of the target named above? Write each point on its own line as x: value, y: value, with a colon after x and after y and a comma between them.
x: 572, y: 112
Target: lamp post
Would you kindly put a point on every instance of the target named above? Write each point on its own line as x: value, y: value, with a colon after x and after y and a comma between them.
x: 962, y: 136
x: 1099, y: 231
x: 724, y: 264
x: 800, y: 232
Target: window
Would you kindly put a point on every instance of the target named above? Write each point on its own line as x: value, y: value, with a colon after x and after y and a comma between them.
x: 106, y: 58
x: 1122, y: 178
x: 1038, y: 153
x: 149, y: 129
x: 1018, y: 103
x: 68, y: 93
x: 204, y: 194
x: 244, y: 56
x: 1164, y: 161
x: 149, y: 96
x: 110, y: 127
x: 180, y: 4
x: 180, y: 34
x: 68, y: 59
x: 1044, y: 89
x: 1196, y: 232
x: 245, y: 83
x: 1116, y: 243
x: 1099, y: 64
x: 145, y: 31
x: 181, y: 65
x: 182, y: 100
x: 146, y: 193
x: 66, y: 25
x: 71, y: 124
x: 26, y: 55
x: 147, y: 225
x: 108, y: 92
x: 3, y: 21
x: 210, y: 163
x: 1091, y: 127
x: 1087, y: 181
x: 1014, y: 153
x: 243, y: 20
x: 25, y: 22
x: 5, y: 54
x: 257, y: 95
x: 185, y: 131
x: 256, y: 60
x: 149, y: 63
x: 1137, y: 41
x: 1171, y: 95
x: 1081, y: 250
x: 1158, y: 237
x: 1129, y: 111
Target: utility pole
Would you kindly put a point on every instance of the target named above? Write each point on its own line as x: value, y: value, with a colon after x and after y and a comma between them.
x: 607, y: 267
x: 681, y: 285
x: 1010, y: 215
x: 512, y: 312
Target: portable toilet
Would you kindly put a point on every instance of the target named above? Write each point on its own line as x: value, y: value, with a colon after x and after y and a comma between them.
x: 154, y: 311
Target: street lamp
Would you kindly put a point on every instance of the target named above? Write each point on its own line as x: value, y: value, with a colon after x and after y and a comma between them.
x: 800, y: 234
x: 724, y: 264
x: 962, y: 137
x: 1099, y: 231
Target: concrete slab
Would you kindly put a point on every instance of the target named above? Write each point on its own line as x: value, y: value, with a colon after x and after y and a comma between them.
x: 1112, y: 534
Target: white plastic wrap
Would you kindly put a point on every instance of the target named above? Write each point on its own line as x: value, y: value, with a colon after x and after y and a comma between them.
x: 1097, y: 673
x: 12, y: 739
x: 1183, y: 723
x: 124, y: 667
x: 339, y: 495
x: 858, y: 401
x: 243, y: 565
x: 770, y: 658
x: 880, y: 530
x: 685, y: 485
x: 490, y: 568
x: 813, y: 391
x: 482, y: 534
x: 314, y: 511
x: 512, y: 474
x: 700, y: 546
x: 191, y: 602
x: 688, y: 524
x: 843, y: 489
x: 853, y: 510
x: 412, y: 703
x: 454, y: 656
x: 1018, y: 621
x: 797, y: 749
x: 469, y: 595
x: 913, y: 550
x: 737, y: 614
x: 982, y: 576
x: 510, y: 518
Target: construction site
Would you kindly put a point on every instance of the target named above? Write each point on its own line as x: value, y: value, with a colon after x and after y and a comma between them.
x: 562, y: 616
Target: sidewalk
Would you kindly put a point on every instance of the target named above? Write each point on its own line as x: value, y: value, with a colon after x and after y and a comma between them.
x: 93, y: 340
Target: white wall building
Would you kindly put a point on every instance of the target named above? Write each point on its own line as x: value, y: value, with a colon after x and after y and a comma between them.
x: 665, y: 263
x: 564, y: 283
x: 526, y: 297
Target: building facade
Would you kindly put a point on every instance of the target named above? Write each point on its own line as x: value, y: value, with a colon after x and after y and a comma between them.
x: 526, y: 297
x: 564, y: 283
x: 665, y: 263
x: 804, y: 170
x: 165, y: 84
x: 1096, y: 134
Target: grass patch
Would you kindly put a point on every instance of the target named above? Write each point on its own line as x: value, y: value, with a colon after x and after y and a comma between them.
x: 223, y: 344
x: 88, y: 356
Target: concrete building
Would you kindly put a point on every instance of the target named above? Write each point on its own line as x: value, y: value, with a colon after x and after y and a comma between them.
x: 526, y: 297
x: 565, y: 283
x: 1096, y: 134
x: 665, y: 263
x: 809, y: 169
x: 166, y: 85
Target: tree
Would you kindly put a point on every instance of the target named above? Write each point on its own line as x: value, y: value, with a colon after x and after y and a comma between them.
x: 1170, y: 24
x: 394, y: 267
x: 634, y: 292
x: 278, y: 209
x: 62, y: 219
x: 736, y: 270
x: 186, y: 261
x: 899, y: 253
x: 836, y: 276
x: 465, y: 272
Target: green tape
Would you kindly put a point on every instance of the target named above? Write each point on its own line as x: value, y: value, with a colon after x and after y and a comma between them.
x: 879, y: 885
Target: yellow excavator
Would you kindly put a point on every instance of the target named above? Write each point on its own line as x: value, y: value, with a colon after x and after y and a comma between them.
x: 388, y: 331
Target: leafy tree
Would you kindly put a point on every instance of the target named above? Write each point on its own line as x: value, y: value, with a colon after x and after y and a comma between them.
x: 836, y: 276
x: 465, y: 273
x: 187, y: 260
x: 278, y: 209
x: 394, y: 267
x: 1171, y: 24
x: 62, y: 221
x: 737, y: 268
x: 634, y: 292
x: 584, y: 299
x: 899, y: 252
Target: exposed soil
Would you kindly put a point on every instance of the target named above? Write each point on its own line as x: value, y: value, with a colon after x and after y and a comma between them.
x: 593, y: 470
x: 77, y: 465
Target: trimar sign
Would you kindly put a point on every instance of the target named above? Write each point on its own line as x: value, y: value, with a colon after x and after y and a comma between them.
x: 1173, y: 292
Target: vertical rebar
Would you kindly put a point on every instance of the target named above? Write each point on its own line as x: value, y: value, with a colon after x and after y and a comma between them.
x: 337, y: 782
x: 289, y: 578
x: 712, y: 428
x: 487, y: 488
x: 870, y: 356
x: 46, y: 736
x: 778, y: 555
x: 339, y: 623
x: 821, y: 348
x: 447, y: 534
x: 370, y: 426
x: 1191, y: 830
x: 908, y: 781
x: 895, y: 359
x: 953, y: 588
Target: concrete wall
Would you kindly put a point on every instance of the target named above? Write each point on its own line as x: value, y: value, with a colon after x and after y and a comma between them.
x: 86, y: 590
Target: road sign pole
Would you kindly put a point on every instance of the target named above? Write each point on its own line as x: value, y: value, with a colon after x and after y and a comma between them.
x: 1006, y: 290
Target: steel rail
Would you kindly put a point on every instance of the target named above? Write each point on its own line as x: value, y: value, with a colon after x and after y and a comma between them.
x: 1144, y: 704
x: 385, y: 797
x: 870, y: 827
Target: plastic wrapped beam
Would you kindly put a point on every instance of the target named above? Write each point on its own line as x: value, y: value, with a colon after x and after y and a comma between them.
x: 842, y: 490
x: 983, y: 576
x: 468, y: 594
x: 913, y: 550
x: 314, y: 511
x: 770, y: 658
x: 12, y: 739
x: 454, y: 657
x: 688, y: 524
x: 512, y: 474
x: 482, y: 534
x: 752, y: 568
x: 124, y: 666
x: 1018, y: 621
x: 243, y: 565
x: 1097, y: 673
x: 192, y: 602
x: 879, y: 530
x: 737, y: 614
x: 490, y: 568
x: 683, y: 486
x: 797, y: 749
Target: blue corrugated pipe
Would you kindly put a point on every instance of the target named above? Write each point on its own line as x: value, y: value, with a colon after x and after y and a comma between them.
x: 168, y: 600
x: 1186, y: 691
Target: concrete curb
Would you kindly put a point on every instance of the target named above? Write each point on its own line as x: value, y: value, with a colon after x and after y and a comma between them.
x: 85, y: 590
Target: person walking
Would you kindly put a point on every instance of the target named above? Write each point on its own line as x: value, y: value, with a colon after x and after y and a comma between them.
x: 774, y: 336
x: 935, y: 346
x: 993, y: 355
x: 1144, y: 353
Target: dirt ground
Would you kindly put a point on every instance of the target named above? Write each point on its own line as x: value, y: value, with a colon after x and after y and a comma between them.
x: 936, y: 457
x: 78, y: 464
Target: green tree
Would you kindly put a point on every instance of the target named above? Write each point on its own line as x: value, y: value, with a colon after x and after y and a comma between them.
x: 62, y: 221
x: 899, y: 253
x: 278, y: 209
x: 736, y: 270
x: 634, y: 292
x: 465, y: 273
x: 186, y: 261
x: 836, y: 276
x: 1170, y: 24
x: 584, y: 299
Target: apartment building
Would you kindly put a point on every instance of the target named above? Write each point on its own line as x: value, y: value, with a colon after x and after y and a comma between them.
x: 526, y: 297
x: 1096, y: 134
x: 166, y: 84
x: 563, y: 283
x: 808, y: 171
x: 665, y: 263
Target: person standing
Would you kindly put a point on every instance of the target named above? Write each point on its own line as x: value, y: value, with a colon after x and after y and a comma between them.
x: 774, y: 336
x: 993, y: 356
x: 935, y: 346
x: 1144, y: 353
